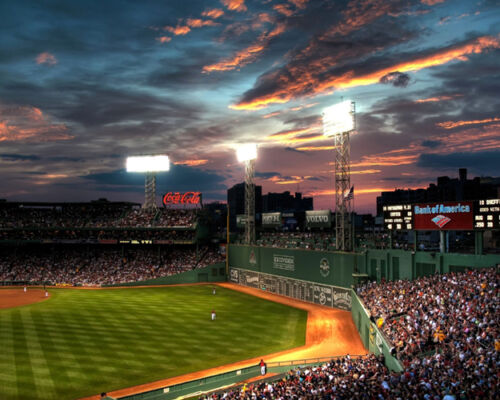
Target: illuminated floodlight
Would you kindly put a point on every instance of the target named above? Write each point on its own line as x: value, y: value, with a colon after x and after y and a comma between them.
x: 339, y: 118
x: 148, y: 164
x: 246, y: 152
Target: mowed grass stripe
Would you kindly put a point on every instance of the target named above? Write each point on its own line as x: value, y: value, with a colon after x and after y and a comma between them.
x: 95, y: 341
x: 25, y: 381
x: 42, y: 378
x: 8, y: 375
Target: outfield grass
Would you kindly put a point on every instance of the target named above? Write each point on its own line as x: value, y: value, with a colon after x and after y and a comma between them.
x: 83, y: 342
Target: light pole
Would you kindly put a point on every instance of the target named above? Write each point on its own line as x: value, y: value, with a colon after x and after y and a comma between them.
x: 247, y: 153
x: 339, y: 122
x: 149, y: 165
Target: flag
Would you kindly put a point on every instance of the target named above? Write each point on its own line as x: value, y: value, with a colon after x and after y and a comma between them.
x: 350, y: 195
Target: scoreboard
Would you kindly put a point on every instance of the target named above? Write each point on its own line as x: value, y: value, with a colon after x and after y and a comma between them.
x: 398, y: 217
x: 487, y: 214
x: 465, y: 215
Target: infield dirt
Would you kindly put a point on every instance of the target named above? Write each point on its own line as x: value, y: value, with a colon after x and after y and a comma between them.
x: 18, y: 297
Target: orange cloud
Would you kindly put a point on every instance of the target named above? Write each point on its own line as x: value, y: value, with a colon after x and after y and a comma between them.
x: 454, y: 124
x: 299, y: 3
x: 240, y: 59
x: 308, y: 81
x: 164, y: 39
x: 46, y: 58
x: 283, y: 9
x: 191, y: 163
x: 315, y: 148
x: 439, y: 98
x: 290, y: 133
x: 213, y: 13
x: 29, y: 124
x: 432, y: 2
x: 366, y: 171
x: 385, y: 160
x: 357, y: 191
x: 235, y: 5
x: 270, y: 115
x: 178, y: 30
x: 198, y: 22
x: 248, y: 55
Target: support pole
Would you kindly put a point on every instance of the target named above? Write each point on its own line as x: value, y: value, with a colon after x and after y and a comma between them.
x: 250, y: 202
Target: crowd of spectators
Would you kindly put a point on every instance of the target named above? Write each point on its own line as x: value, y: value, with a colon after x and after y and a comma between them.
x: 91, y: 267
x: 96, y: 234
x: 298, y: 240
x: 456, y: 313
x: 88, y: 216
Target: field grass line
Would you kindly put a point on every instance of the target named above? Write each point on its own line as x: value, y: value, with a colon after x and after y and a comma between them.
x: 7, y: 361
x: 43, y: 381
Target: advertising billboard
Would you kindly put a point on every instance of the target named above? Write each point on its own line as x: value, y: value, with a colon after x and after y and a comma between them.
x: 318, y: 219
x: 443, y: 216
x: 271, y: 219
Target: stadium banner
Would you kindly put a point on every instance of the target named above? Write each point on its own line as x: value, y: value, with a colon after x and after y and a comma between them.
x: 443, y: 216
x: 327, y: 295
x: 342, y: 298
x: 319, y: 219
x: 271, y: 220
x: 323, y: 295
x: 234, y: 275
x: 284, y: 262
x: 241, y: 220
x: 249, y: 278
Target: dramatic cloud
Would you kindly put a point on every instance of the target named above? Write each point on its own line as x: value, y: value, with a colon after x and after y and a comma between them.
x: 294, y: 80
x: 213, y: 13
x: 29, y: 124
x: 164, y: 39
x: 482, y: 162
x: 455, y: 124
x: 432, y: 2
x: 191, y: 163
x: 438, y: 98
x: 396, y: 79
x: 235, y: 5
x: 247, y: 55
x: 46, y: 58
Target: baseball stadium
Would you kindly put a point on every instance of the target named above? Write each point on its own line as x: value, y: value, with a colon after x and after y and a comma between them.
x: 114, y: 300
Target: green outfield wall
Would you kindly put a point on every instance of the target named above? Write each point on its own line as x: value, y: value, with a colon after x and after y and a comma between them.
x: 337, y: 268
x: 326, y: 268
x: 211, y: 273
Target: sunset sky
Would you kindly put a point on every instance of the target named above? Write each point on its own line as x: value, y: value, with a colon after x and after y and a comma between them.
x: 84, y: 84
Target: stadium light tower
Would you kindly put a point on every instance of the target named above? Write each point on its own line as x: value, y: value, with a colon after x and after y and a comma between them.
x: 149, y: 165
x: 247, y: 153
x: 339, y: 122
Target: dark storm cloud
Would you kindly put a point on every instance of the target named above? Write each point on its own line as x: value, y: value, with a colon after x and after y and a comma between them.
x: 179, y: 178
x: 266, y: 175
x: 396, y: 79
x: 19, y: 157
x: 481, y: 162
x: 432, y: 144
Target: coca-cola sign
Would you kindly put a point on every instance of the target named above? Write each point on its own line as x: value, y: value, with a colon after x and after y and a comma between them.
x: 182, y: 198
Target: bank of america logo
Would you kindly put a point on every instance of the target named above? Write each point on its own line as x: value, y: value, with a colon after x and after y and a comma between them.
x: 441, y: 220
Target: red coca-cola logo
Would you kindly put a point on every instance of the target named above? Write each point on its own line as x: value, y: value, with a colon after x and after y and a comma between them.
x: 182, y: 198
